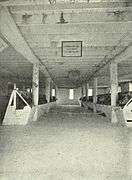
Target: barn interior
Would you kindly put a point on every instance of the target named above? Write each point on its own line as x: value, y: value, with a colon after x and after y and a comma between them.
x: 65, y: 89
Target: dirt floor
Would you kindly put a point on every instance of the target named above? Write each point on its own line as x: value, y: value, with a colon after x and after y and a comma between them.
x: 67, y: 144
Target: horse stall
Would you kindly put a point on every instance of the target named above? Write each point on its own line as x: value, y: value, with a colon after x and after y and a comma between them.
x: 122, y: 115
x: 127, y: 112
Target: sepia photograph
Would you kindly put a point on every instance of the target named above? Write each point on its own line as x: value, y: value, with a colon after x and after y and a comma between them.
x: 65, y: 89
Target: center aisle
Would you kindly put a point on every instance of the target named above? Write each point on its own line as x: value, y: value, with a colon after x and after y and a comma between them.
x: 65, y: 146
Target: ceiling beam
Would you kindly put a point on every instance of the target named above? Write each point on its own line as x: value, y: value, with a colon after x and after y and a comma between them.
x: 77, y: 28
x: 120, y: 56
x: 3, y: 44
x: 11, y: 75
x: 12, y: 34
x: 61, y: 5
x: 124, y: 54
x: 117, y: 11
x: 36, y: 16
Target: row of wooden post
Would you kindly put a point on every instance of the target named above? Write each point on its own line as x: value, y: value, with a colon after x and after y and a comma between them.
x: 35, y: 86
x: 113, y: 86
x: 48, y: 86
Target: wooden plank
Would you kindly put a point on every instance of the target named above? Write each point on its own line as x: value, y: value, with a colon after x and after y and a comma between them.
x: 38, y: 17
x: 3, y: 45
x: 118, y: 57
x: 35, y: 84
x: 78, y: 28
x: 22, y: 98
x: 11, y: 33
x: 66, y: 5
x: 124, y: 54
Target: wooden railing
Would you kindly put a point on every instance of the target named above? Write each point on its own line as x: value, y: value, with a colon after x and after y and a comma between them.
x: 115, y: 114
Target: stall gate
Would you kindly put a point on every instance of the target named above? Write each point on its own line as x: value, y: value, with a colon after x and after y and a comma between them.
x: 14, y: 116
x: 127, y: 111
x: 122, y: 116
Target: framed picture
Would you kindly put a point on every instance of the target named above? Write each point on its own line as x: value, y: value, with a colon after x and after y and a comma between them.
x: 71, y: 49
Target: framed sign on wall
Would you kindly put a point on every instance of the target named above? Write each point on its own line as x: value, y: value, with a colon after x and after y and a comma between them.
x: 71, y: 49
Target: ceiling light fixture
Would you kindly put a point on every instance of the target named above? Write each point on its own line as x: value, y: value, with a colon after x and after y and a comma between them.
x: 74, y: 75
x: 62, y: 20
x: 26, y: 16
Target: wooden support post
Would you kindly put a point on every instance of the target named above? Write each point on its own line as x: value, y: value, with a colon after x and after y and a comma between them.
x: 113, y: 83
x: 48, y: 89
x: 14, y: 98
x: 35, y: 84
x: 87, y: 87
x: 114, y: 88
x: 94, y: 94
x: 51, y: 87
x: 56, y: 92
x: 82, y: 91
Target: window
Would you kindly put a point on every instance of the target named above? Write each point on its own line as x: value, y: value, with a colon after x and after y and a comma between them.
x: 130, y: 87
x: 119, y: 89
x: 53, y: 92
x: 28, y: 90
x: 71, y: 94
x: 90, y: 92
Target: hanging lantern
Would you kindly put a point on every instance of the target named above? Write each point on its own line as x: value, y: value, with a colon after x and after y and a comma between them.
x: 74, y: 75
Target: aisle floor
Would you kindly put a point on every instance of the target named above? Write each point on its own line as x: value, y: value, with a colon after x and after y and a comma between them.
x: 65, y: 146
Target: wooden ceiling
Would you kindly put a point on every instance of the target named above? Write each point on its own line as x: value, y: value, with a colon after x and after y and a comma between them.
x: 104, y: 27
x: 3, y: 45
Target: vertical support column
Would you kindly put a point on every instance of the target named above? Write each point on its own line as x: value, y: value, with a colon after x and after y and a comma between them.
x: 35, y: 84
x: 14, y: 98
x: 56, y: 92
x: 87, y: 87
x: 113, y: 83
x: 95, y: 82
x: 51, y: 87
x: 114, y: 88
x: 48, y: 89
x: 42, y: 90
x: 82, y: 91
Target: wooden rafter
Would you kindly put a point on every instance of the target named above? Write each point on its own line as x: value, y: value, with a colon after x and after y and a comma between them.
x: 11, y: 33
x: 125, y: 53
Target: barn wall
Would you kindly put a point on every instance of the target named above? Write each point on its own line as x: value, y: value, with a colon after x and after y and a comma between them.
x: 63, y: 96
